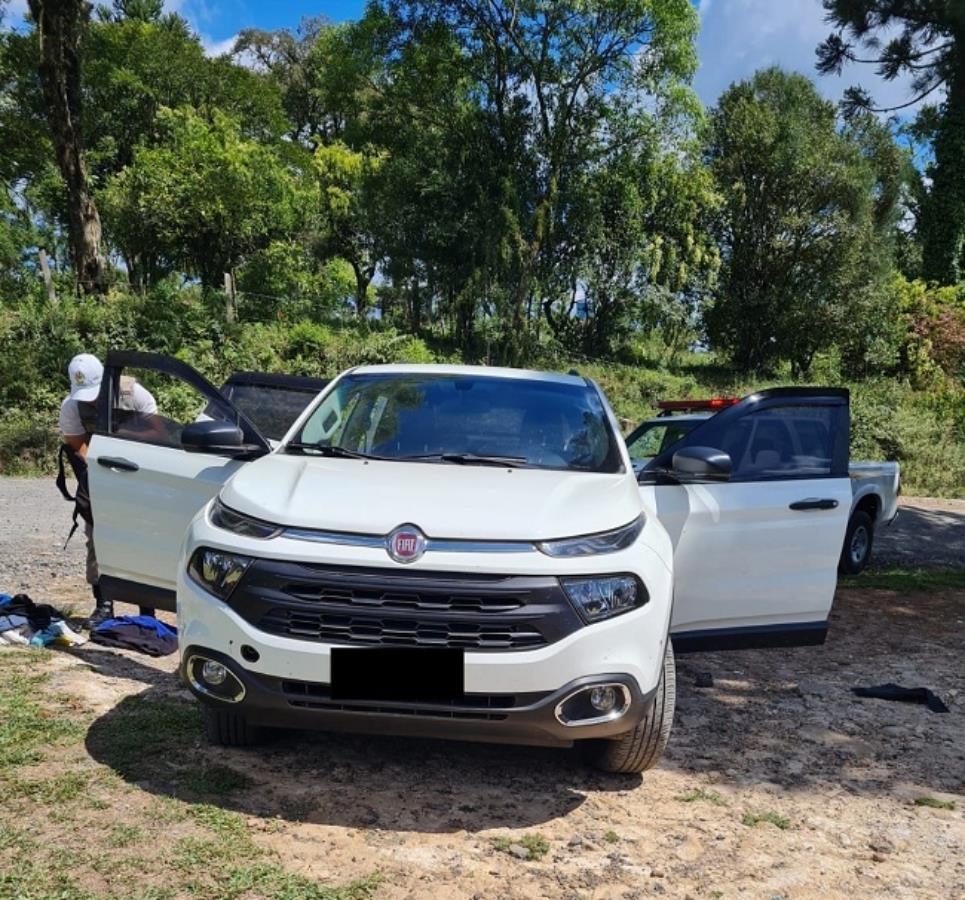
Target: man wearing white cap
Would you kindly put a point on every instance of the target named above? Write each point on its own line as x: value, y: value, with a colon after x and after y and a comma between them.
x: 78, y: 417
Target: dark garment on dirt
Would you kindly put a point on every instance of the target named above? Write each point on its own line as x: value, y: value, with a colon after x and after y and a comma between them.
x: 145, y: 634
x: 39, y: 615
x: 904, y: 695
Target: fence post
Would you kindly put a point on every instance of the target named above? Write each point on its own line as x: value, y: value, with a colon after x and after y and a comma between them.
x: 48, y: 280
x: 231, y: 308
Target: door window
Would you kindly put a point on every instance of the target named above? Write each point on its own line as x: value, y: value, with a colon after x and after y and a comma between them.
x: 657, y: 437
x: 153, y: 407
x: 778, y: 441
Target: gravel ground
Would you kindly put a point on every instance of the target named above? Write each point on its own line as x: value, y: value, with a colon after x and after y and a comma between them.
x: 778, y: 782
x: 927, y: 532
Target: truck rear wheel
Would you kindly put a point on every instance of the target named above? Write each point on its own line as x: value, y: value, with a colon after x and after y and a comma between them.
x: 857, y: 544
x: 641, y: 749
x: 227, y: 728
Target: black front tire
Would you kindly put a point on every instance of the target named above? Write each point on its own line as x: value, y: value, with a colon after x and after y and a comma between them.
x: 228, y: 728
x: 858, y: 540
x: 641, y: 749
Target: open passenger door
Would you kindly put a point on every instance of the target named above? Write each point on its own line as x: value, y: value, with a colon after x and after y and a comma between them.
x: 145, y: 486
x: 756, y: 553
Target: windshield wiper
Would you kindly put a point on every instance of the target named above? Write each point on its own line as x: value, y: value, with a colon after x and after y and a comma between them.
x: 473, y: 459
x: 332, y: 450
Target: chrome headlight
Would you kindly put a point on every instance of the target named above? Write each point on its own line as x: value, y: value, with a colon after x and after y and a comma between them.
x: 592, y: 544
x: 222, y: 516
x: 217, y: 571
x: 604, y: 596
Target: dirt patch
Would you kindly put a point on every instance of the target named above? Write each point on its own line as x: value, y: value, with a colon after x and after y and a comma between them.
x: 778, y: 783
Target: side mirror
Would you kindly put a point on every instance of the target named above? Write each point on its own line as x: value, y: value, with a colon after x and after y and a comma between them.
x: 702, y: 462
x: 214, y: 436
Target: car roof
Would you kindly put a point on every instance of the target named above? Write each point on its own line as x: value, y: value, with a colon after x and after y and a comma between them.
x: 476, y: 371
x: 279, y: 380
x: 687, y: 417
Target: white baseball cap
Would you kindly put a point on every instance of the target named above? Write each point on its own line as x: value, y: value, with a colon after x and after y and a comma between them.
x: 85, y: 373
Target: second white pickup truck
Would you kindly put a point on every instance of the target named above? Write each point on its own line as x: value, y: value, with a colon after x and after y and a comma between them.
x: 875, y: 486
x: 463, y: 552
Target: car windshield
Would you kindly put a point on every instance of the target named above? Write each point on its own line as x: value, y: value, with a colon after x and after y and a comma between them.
x: 463, y: 419
x: 652, y: 438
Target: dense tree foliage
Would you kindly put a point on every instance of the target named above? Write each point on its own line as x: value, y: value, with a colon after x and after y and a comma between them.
x: 923, y: 39
x: 510, y: 179
x: 807, y: 216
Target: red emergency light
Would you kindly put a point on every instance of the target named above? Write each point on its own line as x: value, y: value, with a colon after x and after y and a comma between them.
x: 714, y: 403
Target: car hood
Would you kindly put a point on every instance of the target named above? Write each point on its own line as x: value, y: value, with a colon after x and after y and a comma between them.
x: 444, y: 500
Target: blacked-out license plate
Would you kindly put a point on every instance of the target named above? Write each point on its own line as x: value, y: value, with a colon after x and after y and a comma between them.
x: 397, y: 673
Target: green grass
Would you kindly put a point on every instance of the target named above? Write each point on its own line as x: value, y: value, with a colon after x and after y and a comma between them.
x: 211, y: 854
x: 906, y: 581
x: 26, y: 728
x: 59, y: 789
x: 125, y: 835
x: 751, y: 820
x: 611, y: 837
x: 703, y: 796
x: 215, y: 780
x: 535, y: 845
x: 139, y: 735
x: 227, y: 825
x: 935, y: 803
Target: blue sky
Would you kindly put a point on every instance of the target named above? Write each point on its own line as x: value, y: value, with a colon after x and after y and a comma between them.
x: 737, y: 37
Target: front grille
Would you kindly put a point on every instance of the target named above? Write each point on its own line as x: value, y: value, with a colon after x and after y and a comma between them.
x: 361, y: 597
x: 386, y: 607
x: 382, y: 632
x: 486, y: 707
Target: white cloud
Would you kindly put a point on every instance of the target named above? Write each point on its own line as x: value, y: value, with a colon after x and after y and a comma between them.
x: 217, y: 48
x: 737, y: 37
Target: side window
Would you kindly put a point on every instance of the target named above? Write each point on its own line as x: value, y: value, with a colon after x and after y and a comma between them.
x: 793, y: 439
x: 657, y: 438
x: 153, y: 407
x: 781, y: 442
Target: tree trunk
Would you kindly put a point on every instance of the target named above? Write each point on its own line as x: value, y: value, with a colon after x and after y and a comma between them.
x: 362, y: 281
x: 59, y: 27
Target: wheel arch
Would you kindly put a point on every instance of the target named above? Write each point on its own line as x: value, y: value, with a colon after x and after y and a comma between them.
x: 869, y: 503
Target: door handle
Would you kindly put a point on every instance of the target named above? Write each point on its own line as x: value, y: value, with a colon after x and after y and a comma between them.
x: 814, y: 503
x: 117, y: 463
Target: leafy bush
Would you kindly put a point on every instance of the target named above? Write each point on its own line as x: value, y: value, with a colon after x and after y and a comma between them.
x: 891, y: 419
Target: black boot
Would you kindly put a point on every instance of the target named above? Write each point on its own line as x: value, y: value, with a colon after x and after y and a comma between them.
x: 103, y: 611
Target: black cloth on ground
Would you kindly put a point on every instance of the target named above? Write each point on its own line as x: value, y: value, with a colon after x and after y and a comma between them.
x: 891, y: 691
x: 39, y: 615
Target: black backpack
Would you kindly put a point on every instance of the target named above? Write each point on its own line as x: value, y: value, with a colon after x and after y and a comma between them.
x: 81, y: 497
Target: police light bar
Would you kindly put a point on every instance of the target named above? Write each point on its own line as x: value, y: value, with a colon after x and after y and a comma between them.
x: 714, y: 403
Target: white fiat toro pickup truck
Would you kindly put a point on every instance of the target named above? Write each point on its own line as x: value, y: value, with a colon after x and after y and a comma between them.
x: 461, y: 552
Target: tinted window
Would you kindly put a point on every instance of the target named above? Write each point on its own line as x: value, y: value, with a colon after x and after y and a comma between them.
x: 272, y: 409
x: 153, y: 407
x: 656, y: 437
x: 782, y: 440
x: 793, y: 441
x: 543, y: 424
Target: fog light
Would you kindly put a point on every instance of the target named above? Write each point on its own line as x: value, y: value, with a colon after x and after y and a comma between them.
x: 603, y: 699
x: 594, y: 704
x: 213, y: 673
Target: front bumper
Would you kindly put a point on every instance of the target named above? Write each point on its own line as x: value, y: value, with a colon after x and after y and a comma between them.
x: 529, y: 718
x: 628, y: 648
